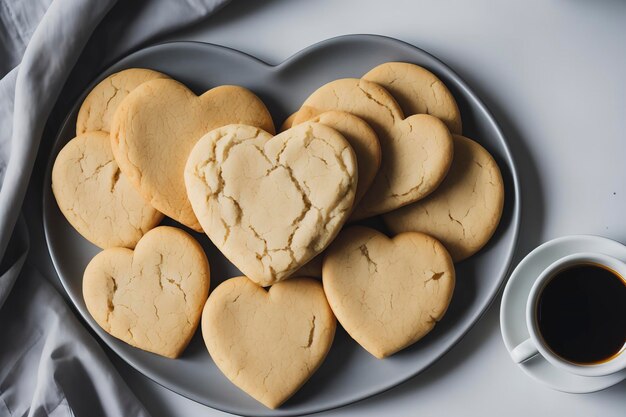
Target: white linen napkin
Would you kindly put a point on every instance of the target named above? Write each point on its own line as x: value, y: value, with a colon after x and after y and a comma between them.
x: 49, y: 51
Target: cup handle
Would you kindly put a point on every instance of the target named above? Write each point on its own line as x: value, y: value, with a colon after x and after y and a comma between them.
x: 524, y: 351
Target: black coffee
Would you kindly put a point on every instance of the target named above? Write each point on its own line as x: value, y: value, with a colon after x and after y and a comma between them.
x: 581, y: 314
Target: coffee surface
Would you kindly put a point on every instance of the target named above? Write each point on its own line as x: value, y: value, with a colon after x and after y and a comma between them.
x: 581, y: 314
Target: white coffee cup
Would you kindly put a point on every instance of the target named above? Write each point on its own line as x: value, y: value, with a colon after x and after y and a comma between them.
x: 536, y: 345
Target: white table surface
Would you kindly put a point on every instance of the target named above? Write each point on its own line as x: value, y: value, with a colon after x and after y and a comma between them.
x: 552, y: 72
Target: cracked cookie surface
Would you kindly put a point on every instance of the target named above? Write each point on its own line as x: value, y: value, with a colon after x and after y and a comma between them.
x: 416, y: 151
x: 156, y: 126
x: 464, y: 212
x: 387, y: 293
x: 418, y: 91
x: 271, y: 203
x: 268, y: 343
x: 95, y: 198
x: 363, y: 141
x: 152, y: 297
x: 98, y: 107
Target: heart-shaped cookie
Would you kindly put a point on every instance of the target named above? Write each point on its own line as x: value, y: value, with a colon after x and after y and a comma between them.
x: 100, y: 104
x: 95, y: 198
x: 157, y: 124
x: 416, y: 151
x: 418, y: 91
x: 271, y: 203
x: 464, y: 212
x: 151, y: 298
x: 268, y: 343
x: 387, y: 293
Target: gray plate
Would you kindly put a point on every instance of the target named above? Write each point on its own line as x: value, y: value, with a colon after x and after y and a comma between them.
x: 349, y: 372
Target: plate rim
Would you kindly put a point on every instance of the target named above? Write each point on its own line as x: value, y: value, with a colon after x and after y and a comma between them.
x: 484, y: 305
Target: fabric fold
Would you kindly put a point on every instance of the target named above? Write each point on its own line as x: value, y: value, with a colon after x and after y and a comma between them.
x: 56, y: 365
x: 49, y: 363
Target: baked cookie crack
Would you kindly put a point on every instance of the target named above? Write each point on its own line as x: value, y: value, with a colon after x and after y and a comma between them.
x: 365, y: 252
x: 457, y: 222
x: 378, y: 102
x: 116, y: 90
x: 110, y: 297
x: 311, y: 334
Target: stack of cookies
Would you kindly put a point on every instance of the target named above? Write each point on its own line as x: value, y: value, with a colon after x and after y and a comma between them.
x: 388, y: 143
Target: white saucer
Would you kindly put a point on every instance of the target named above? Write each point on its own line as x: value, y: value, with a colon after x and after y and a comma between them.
x: 513, y: 309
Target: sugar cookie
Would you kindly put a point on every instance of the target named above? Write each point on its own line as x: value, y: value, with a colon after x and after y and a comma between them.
x: 418, y: 91
x: 387, y: 293
x: 95, y: 198
x: 464, y: 212
x: 98, y: 107
x: 416, y: 151
x: 152, y: 297
x: 157, y: 124
x: 271, y: 203
x: 268, y: 343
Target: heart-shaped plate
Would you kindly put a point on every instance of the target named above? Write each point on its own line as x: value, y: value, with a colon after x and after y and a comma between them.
x: 349, y: 373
